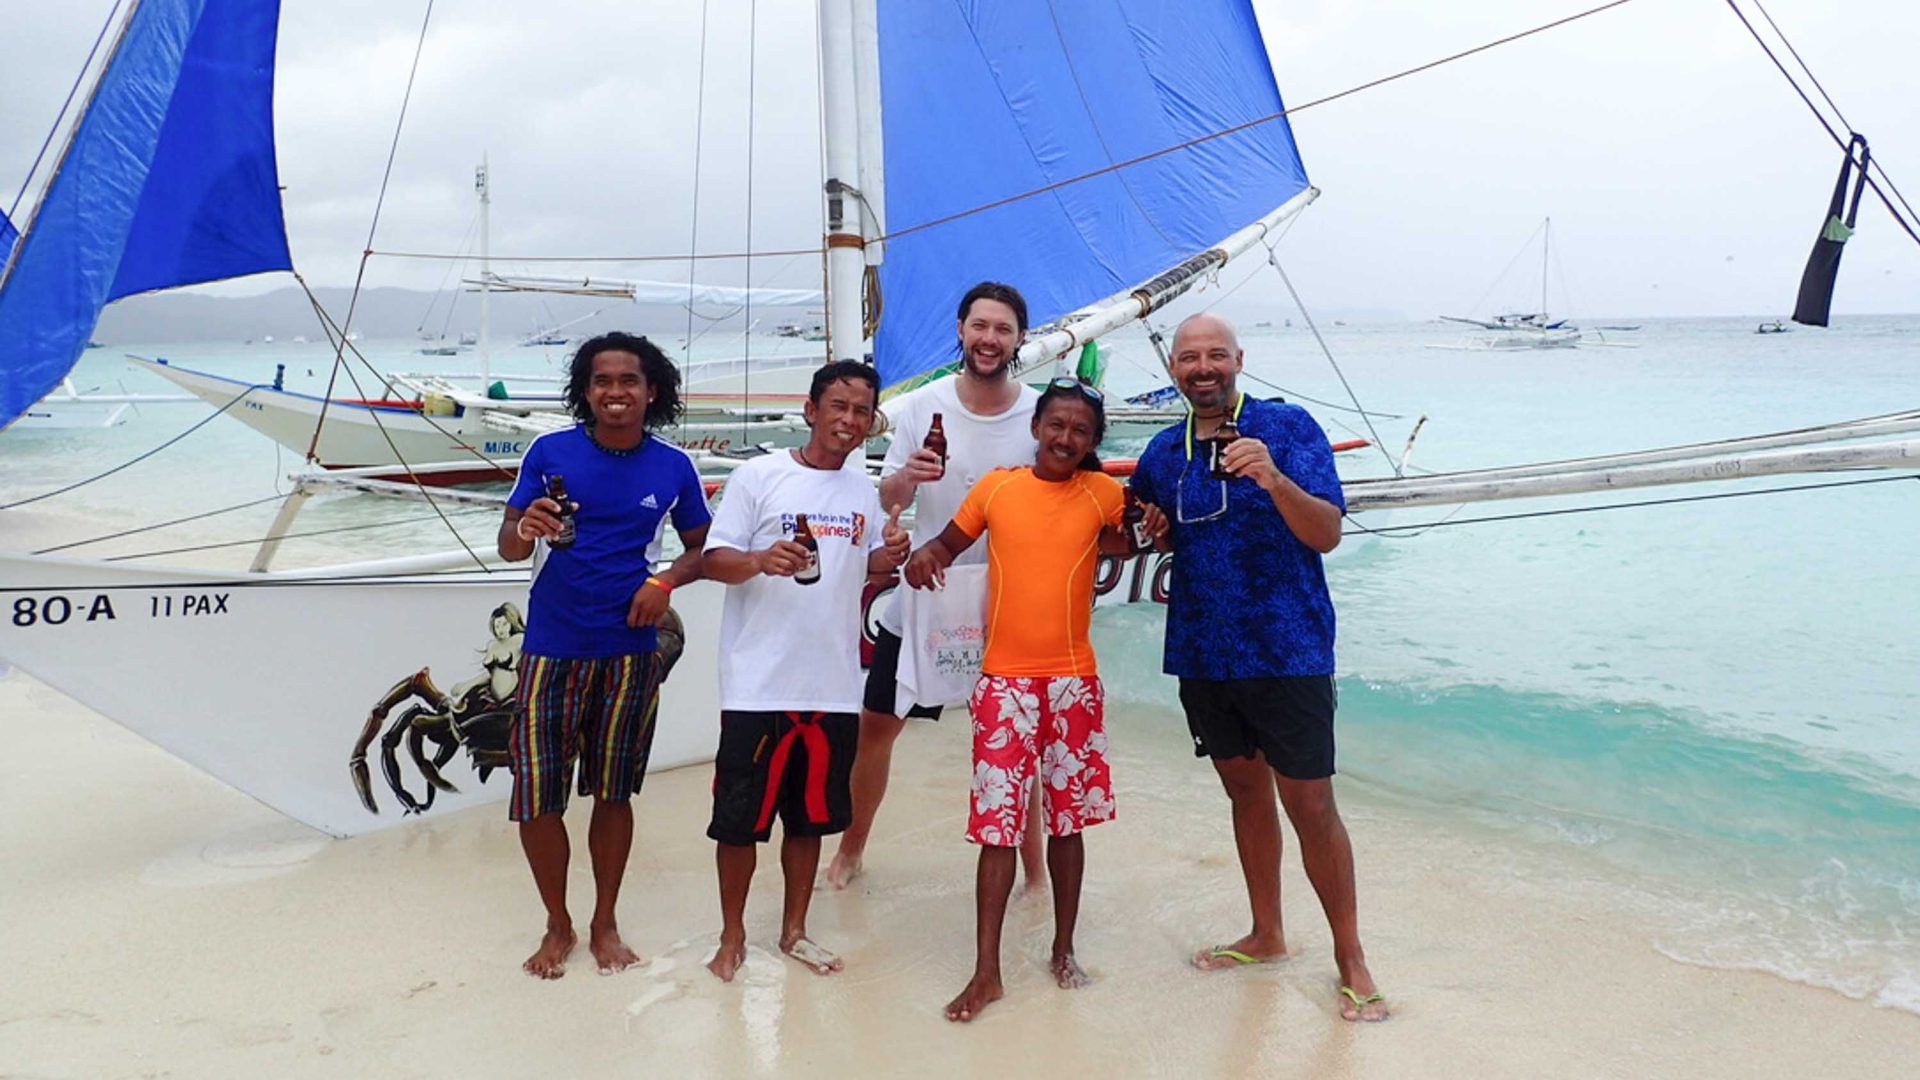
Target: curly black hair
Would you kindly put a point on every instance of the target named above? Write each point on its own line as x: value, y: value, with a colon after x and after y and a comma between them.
x: 662, y: 377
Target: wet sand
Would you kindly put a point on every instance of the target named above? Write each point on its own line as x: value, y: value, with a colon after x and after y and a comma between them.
x: 156, y: 922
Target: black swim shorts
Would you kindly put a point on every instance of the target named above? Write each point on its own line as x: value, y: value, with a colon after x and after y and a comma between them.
x: 883, y: 675
x: 797, y: 766
x: 1288, y: 719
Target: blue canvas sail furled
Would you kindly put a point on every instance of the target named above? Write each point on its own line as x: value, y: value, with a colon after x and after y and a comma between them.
x: 169, y: 180
x: 986, y: 99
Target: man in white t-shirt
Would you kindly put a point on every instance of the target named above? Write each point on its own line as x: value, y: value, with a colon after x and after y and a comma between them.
x: 796, y: 537
x: 987, y: 417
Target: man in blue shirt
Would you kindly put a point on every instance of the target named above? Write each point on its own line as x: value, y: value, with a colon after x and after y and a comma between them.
x: 1252, y: 502
x: 594, y: 607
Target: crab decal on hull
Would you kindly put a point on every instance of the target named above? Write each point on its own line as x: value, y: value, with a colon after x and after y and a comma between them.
x: 477, y: 714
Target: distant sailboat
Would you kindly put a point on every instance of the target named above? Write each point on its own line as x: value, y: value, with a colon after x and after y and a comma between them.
x: 1522, y: 329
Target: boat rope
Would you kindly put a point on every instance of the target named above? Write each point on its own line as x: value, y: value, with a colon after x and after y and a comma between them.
x: 1273, y: 260
x: 1480, y: 304
x: 466, y: 512
x: 1845, y: 144
x: 204, y: 421
x: 690, y: 256
x: 275, y: 497
x: 338, y: 335
x: 1237, y: 128
x: 79, y: 76
x: 453, y: 266
x: 1811, y: 77
x: 1408, y: 532
x: 360, y: 275
x: 699, y: 130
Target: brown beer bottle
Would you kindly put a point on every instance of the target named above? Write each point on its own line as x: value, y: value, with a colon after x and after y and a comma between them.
x: 936, y: 441
x: 557, y: 491
x: 1223, y: 437
x: 1134, y: 520
x: 803, y: 535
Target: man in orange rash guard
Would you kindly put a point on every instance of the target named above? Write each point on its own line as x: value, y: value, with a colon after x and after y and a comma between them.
x: 1038, y: 703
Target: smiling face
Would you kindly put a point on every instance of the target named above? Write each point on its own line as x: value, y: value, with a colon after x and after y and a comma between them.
x: 501, y: 627
x: 617, y: 391
x: 1206, y: 359
x: 1067, y: 431
x: 841, y: 418
x: 989, y: 336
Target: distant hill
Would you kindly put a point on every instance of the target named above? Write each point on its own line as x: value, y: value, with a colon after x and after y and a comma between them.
x: 395, y: 313
x: 389, y: 313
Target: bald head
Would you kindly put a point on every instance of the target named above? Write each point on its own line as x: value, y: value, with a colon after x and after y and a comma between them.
x: 1209, y: 323
x: 1206, y: 362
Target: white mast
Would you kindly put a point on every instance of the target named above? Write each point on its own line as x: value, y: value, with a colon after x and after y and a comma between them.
x: 486, y: 276
x: 1546, y: 245
x: 841, y: 109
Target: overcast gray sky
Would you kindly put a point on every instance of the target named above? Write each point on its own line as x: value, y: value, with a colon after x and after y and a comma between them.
x: 1682, y: 174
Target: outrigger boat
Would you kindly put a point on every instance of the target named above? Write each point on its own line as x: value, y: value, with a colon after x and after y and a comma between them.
x: 289, y: 683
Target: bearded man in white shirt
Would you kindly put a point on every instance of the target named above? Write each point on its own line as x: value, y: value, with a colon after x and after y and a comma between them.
x: 986, y: 415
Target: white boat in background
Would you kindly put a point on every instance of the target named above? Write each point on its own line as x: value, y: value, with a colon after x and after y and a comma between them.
x: 1520, y: 329
x: 68, y: 408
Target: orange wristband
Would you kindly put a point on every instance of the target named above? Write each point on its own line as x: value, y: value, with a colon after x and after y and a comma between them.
x: 660, y: 583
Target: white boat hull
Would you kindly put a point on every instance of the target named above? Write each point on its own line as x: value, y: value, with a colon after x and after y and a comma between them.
x: 266, y: 682
x: 362, y: 435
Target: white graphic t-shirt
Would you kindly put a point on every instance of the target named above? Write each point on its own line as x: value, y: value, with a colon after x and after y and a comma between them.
x: 976, y: 445
x: 785, y: 645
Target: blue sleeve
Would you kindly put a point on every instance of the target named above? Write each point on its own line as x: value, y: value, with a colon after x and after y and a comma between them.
x: 1309, y: 460
x: 530, y: 484
x: 1142, y: 481
x: 690, y: 504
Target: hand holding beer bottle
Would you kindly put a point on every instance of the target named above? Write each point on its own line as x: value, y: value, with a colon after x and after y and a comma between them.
x: 790, y: 557
x: 549, y: 517
x: 936, y: 444
x: 809, y: 571
x: 1223, y: 439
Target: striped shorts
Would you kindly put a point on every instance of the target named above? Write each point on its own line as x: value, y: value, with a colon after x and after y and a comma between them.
x: 599, y: 711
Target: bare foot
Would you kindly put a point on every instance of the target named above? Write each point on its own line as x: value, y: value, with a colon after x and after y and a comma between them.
x: 728, y: 958
x: 1248, y: 950
x: 1067, y: 973
x: 549, y: 961
x: 845, y: 867
x: 816, y: 959
x: 983, y: 991
x: 609, y: 951
x: 1360, y: 999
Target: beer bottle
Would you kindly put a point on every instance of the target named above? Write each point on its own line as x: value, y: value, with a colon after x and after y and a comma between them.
x: 1134, y: 520
x: 803, y: 535
x: 557, y: 491
x: 936, y: 441
x: 1223, y: 437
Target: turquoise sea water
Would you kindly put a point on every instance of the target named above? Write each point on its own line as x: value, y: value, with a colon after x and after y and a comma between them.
x: 1716, y: 705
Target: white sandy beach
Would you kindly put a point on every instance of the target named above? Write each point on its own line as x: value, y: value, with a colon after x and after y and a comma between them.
x: 158, y: 923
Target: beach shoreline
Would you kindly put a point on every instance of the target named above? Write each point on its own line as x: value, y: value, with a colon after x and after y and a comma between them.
x: 162, y: 923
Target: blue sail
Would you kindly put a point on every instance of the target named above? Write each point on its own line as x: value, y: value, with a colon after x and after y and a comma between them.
x: 982, y: 100
x: 8, y: 234
x: 169, y: 180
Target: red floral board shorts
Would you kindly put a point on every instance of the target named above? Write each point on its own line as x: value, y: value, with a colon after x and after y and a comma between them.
x: 1054, y: 725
